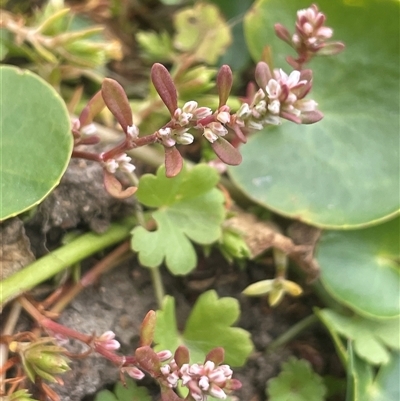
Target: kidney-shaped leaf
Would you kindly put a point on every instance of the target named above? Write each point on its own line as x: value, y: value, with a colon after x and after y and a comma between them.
x: 36, y: 141
x: 343, y: 171
x: 361, y: 268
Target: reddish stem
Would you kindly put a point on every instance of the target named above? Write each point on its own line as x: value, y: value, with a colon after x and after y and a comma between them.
x: 86, y: 155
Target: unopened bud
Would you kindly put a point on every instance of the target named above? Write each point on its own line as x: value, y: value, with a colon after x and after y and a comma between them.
x: 185, y: 139
x: 209, y: 135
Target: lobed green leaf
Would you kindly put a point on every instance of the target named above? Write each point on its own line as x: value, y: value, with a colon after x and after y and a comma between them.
x: 207, y: 327
x: 190, y: 208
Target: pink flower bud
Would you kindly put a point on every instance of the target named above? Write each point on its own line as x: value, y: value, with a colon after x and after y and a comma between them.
x: 164, y: 355
x: 282, y: 33
x: 262, y: 74
x: 147, y: 328
x: 133, y: 372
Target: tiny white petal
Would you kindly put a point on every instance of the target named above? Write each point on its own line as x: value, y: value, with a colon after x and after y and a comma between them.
x: 209, y: 135
x: 89, y: 129
x: 127, y: 167
x: 209, y: 366
x: 165, y: 131
x: 244, y: 111
x: 189, y: 107
x: 308, y: 28
x: 164, y: 355
x: 273, y: 89
x: 254, y: 125
x: 134, y: 372
x: 274, y: 107
x: 224, y: 117
x: 217, y: 128
x: 133, y: 131
x: 185, y: 139
x: 165, y: 370
x: 204, y: 383
x: 293, y: 78
x: 202, y: 112
x: 76, y: 124
x: 217, y: 392
x: 108, y: 335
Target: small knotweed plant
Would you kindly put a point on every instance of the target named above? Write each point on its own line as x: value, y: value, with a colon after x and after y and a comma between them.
x: 280, y: 95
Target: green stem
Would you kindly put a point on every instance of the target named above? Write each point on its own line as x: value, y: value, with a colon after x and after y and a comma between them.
x: 293, y: 332
x: 158, y: 285
x: 63, y: 257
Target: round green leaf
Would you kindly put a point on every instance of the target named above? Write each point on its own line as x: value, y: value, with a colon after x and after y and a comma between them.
x: 342, y: 172
x: 361, y: 268
x: 36, y: 141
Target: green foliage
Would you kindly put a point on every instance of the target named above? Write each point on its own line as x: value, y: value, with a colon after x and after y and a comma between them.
x: 296, y: 382
x: 157, y: 47
x: 60, y: 44
x: 233, y: 12
x: 189, y: 208
x: 361, y: 268
x: 365, y: 385
x: 202, y: 31
x: 207, y: 327
x: 370, y: 338
x: 342, y: 172
x: 130, y: 392
x: 36, y: 140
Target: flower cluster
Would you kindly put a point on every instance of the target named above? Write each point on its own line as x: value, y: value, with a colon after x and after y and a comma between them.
x: 120, y: 162
x: 201, y: 380
x: 310, y: 37
x: 183, y: 119
x: 280, y: 95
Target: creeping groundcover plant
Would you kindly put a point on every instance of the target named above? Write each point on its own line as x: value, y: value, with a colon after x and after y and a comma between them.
x: 297, y: 165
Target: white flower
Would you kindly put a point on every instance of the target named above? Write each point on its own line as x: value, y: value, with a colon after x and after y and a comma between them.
x: 189, y: 107
x: 218, y: 128
x: 202, y: 112
x: 274, y: 107
x: 244, y: 111
x: 209, y: 135
x: 185, y: 138
x: 224, y: 117
x: 273, y: 89
x: 111, y: 165
x: 133, y: 131
x: 121, y: 162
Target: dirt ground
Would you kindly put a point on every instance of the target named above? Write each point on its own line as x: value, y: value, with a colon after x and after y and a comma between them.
x: 123, y: 296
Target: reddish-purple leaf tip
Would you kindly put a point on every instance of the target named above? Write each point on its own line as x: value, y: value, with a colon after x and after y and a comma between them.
x: 165, y: 86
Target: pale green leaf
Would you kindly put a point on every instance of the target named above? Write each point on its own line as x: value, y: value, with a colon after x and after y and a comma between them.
x: 207, y: 327
x: 296, y: 382
x: 130, y: 392
x: 190, y: 208
x: 36, y: 141
x: 202, y: 31
x: 342, y: 172
x: 361, y: 268
x: 371, y: 338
